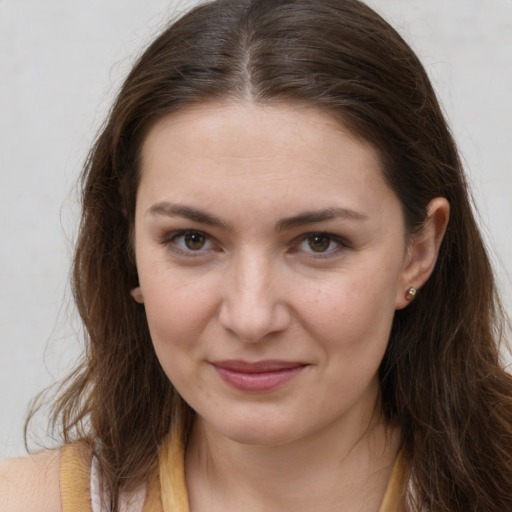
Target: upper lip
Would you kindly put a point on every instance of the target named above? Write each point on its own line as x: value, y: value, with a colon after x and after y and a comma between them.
x: 270, y: 365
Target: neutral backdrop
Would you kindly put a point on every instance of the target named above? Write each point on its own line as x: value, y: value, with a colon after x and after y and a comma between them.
x: 61, y: 63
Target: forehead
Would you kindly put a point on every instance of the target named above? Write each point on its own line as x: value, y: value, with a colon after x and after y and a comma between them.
x: 239, y: 130
x: 285, y: 153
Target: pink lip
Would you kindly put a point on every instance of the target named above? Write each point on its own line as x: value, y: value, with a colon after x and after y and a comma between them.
x: 257, y: 376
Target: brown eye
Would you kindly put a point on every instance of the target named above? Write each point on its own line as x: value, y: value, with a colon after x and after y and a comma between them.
x: 319, y: 243
x: 189, y: 243
x: 194, y: 241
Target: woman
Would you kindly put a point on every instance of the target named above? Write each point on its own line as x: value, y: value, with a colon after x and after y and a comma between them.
x: 287, y: 299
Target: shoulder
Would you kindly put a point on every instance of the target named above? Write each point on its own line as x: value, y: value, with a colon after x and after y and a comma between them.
x: 30, y: 483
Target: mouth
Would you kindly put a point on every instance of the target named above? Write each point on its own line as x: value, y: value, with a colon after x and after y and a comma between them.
x: 259, y: 376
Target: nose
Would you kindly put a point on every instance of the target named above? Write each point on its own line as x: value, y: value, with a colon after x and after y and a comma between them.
x: 253, y: 306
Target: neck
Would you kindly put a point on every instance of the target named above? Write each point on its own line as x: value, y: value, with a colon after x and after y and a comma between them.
x: 341, y: 468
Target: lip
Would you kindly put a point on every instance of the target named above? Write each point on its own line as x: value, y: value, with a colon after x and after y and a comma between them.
x: 258, y: 376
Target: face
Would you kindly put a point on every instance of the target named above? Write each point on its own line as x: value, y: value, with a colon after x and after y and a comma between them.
x: 271, y: 256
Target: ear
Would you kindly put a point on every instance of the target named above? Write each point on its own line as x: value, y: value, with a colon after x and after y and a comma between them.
x: 136, y: 293
x: 423, y: 250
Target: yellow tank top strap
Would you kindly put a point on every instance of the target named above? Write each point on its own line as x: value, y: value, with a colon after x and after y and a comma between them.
x: 75, y: 478
x: 173, y: 488
x: 395, y: 492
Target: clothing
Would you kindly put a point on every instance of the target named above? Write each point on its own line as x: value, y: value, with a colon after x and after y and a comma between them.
x: 80, y: 484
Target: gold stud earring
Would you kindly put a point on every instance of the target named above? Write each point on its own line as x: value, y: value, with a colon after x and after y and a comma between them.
x: 410, y: 293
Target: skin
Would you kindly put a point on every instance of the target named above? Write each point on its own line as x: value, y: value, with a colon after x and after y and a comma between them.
x: 250, y: 282
x: 30, y: 483
x: 269, y: 234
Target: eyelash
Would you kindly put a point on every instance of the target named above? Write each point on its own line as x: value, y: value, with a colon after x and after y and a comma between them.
x: 170, y: 241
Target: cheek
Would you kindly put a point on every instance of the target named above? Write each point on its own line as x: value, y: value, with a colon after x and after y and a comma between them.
x: 179, y: 311
x: 179, y: 307
x: 175, y: 312
x: 174, y: 318
x: 352, y: 315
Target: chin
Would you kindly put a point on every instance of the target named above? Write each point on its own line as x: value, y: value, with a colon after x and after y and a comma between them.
x: 256, y: 431
x: 260, y: 437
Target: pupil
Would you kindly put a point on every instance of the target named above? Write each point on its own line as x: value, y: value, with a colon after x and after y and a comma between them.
x: 319, y: 243
x: 194, y: 241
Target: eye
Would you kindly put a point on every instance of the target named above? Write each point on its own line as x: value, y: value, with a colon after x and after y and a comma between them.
x: 190, y: 241
x: 194, y: 241
x: 320, y: 243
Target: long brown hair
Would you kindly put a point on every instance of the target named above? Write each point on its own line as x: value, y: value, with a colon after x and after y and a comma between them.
x: 441, y: 376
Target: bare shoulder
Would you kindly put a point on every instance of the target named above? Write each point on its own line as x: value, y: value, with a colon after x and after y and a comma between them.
x: 30, y: 483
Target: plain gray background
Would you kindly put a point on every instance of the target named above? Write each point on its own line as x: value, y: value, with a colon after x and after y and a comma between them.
x: 61, y: 63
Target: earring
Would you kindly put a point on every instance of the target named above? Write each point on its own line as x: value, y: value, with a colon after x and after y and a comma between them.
x: 410, y: 293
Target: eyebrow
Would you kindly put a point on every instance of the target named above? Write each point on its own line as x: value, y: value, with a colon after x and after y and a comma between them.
x: 319, y: 216
x: 188, y: 212
x: 195, y: 214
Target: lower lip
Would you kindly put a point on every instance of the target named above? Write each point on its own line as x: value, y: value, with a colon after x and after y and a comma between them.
x: 258, y: 382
